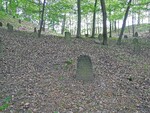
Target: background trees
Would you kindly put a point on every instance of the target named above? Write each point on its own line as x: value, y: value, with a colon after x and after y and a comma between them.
x: 79, y: 17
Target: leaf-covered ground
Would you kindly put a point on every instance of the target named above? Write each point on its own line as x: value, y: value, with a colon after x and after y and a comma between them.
x: 34, y: 73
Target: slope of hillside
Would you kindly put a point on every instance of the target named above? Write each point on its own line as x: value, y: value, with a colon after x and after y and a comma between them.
x: 36, y: 79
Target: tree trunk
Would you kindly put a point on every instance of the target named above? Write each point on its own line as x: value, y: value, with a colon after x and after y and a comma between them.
x: 110, y: 29
x: 94, y: 16
x: 6, y: 7
x: 39, y: 12
x: 118, y: 27
x: 115, y: 26
x: 133, y: 26
x: 124, y: 23
x: 87, y: 26
x: 139, y: 13
x: 104, y: 22
x: 63, y: 24
x: 79, y: 20
x: 42, y: 17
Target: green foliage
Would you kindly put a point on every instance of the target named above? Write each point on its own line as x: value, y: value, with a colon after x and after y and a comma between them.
x: 5, y: 103
x: 68, y: 63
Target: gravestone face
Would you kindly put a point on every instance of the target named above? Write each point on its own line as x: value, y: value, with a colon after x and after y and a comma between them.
x: 35, y: 30
x: 1, y: 24
x: 84, y: 70
x: 67, y: 35
x: 19, y: 21
x: 125, y: 36
x: 100, y: 37
x: 9, y: 27
x: 136, y: 46
x: 136, y: 34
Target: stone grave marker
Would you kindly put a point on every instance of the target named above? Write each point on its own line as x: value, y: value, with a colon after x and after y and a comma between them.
x: 100, y: 37
x: 136, y: 45
x: 84, y: 70
x: 34, y: 29
x: 67, y: 35
x: 19, y: 21
x: 9, y: 27
x: 136, y: 34
x: 1, y: 24
x: 125, y: 36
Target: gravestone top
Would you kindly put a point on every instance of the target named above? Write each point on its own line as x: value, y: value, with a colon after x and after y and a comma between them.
x: 84, y: 70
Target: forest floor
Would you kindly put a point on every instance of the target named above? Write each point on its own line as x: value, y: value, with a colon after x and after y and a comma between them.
x: 34, y: 76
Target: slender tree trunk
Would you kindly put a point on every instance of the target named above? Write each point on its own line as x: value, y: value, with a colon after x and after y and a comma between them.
x: 128, y: 27
x: 104, y: 22
x: 87, y: 26
x: 39, y: 12
x: 115, y: 26
x: 139, y: 18
x: 118, y: 28
x: 110, y: 29
x: 53, y: 25
x: 79, y: 20
x: 124, y: 23
x: 133, y: 26
x: 6, y: 7
x: 94, y: 16
x: 63, y: 24
x: 42, y: 18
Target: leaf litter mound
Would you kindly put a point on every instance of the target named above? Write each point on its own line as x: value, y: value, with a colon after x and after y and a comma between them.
x: 35, y: 75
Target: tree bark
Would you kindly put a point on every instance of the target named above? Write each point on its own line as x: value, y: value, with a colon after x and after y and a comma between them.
x: 63, y: 24
x: 94, y: 16
x: 39, y: 12
x: 42, y: 17
x: 133, y: 26
x: 104, y: 22
x: 124, y: 23
x: 110, y: 29
x: 79, y: 20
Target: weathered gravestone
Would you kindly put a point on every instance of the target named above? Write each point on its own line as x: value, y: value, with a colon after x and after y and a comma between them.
x: 100, y: 37
x: 84, y: 70
x: 19, y: 21
x: 136, y: 34
x: 1, y: 24
x: 67, y: 35
x: 125, y: 36
x: 136, y: 45
x: 9, y: 27
x: 35, y: 30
